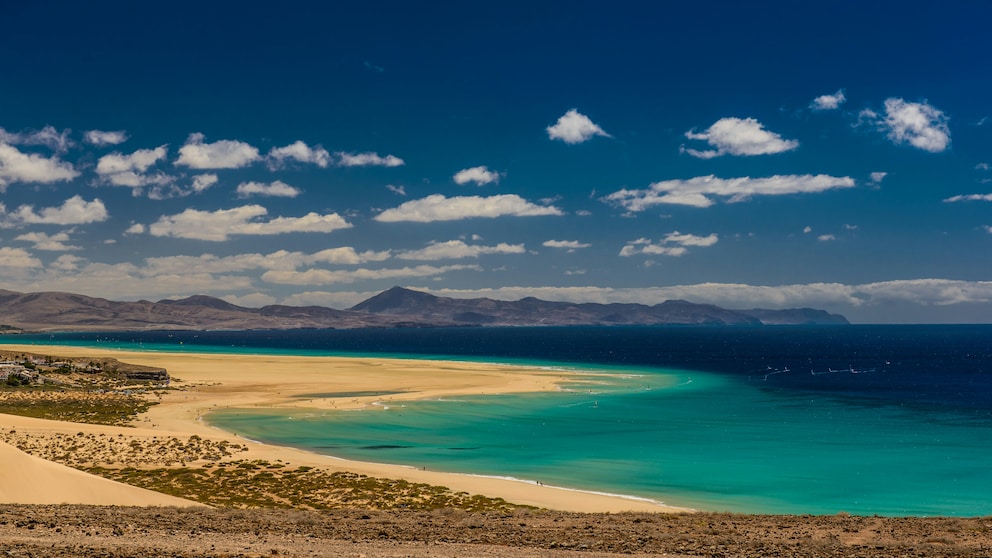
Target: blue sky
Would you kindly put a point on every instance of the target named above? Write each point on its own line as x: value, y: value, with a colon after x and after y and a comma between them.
x: 836, y: 155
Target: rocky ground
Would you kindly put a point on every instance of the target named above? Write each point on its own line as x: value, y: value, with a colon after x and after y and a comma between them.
x: 81, y: 531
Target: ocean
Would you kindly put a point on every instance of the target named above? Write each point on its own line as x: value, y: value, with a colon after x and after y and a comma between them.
x: 887, y: 420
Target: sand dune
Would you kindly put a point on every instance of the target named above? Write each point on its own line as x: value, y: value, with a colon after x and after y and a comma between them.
x: 25, y: 479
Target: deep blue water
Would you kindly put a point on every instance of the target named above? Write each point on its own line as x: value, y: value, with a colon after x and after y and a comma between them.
x: 894, y: 420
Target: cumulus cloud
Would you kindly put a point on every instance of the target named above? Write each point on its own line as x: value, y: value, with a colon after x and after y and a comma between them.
x: 440, y: 208
x: 575, y: 127
x: 480, y: 175
x: 367, y: 160
x: 130, y: 170
x: 736, y: 136
x: 52, y: 243
x: 300, y: 152
x: 828, y: 102
x: 699, y: 191
x: 167, y: 188
x: 219, y: 225
x: 136, y: 228
x: 674, y: 244
x: 922, y: 292
x: 969, y: 197
x: 826, y: 237
x: 74, y: 211
x: 223, y: 154
x: 570, y: 245
x: 331, y: 277
x: 277, y: 188
x: 919, y: 124
x: 399, y: 190
x: 139, y: 161
x: 16, y: 166
x: 101, y: 138
x: 203, y: 181
x: 457, y: 249
x: 877, y: 177
x: 278, y: 260
x: 48, y: 136
x: 17, y: 258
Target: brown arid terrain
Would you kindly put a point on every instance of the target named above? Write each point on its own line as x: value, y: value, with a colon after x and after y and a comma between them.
x: 395, y: 308
x: 118, y: 532
x: 282, y: 504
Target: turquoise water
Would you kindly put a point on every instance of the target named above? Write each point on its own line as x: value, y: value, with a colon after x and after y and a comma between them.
x: 685, y: 438
x: 890, y: 420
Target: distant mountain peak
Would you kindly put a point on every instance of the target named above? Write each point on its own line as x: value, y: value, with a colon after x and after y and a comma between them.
x: 393, y: 300
x: 395, y: 307
x: 203, y: 300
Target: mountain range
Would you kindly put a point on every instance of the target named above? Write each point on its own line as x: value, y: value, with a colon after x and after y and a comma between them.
x: 396, y: 307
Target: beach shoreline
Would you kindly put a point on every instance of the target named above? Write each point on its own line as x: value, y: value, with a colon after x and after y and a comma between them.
x: 206, y: 382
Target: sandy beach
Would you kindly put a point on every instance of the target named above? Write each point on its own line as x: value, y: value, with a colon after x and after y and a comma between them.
x: 203, y: 383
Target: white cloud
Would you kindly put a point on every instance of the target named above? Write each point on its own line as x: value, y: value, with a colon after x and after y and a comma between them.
x: 570, y: 245
x: 47, y: 136
x: 277, y: 188
x: 129, y: 170
x: 139, y: 161
x: 100, y: 138
x: 826, y: 237
x: 480, y: 175
x: 328, y: 277
x: 74, y: 211
x: 399, y: 190
x: 877, y: 177
x: 51, y: 243
x: 300, y: 152
x: 279, y: 260
x: 66, y: 262
x: 136, y: 228
x: 367, y: 159
x: 223, y: 154
x: 347, y: 255
x: 24, y: 167
x: 203, y: 181
x: 969, y: 197
x: 219, y: 225
x: 924, y: 292
x: 457, y: 249
x: 166, y: 188
x: 807, y: 229
x: 695, y: 191
x: 250, y: 300
x: 18, y: 258
x: 737, y: 136
x: 437, y: 207
x: 828, y: 102
x: 988, y: 228
x: 574, y: 127
x: 918, y: 124
x: 983, y: 166
x: 674, y: 244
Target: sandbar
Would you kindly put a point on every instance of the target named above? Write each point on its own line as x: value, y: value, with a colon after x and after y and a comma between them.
x: 206, y: 382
